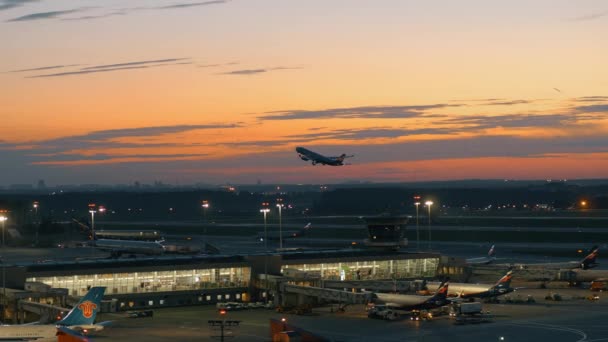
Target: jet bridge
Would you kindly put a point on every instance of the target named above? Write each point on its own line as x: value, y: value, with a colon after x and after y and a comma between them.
x: 296, y: 295
x: 47, y: 313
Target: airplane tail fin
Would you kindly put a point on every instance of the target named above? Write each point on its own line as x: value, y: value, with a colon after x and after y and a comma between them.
x: 492, y: 252
x: 85, y: 311
x: 590, y: 260
x: 441, y: 296
x: 306, y: 229
x: 505, y: 281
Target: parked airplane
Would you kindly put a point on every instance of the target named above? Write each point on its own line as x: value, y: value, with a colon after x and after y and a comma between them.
x: 287, y: 234
x: 589, y: 261
x: 131, y: 247
x: 491, y: 257
x: 413, y: 302
x: 82, y: 315
x: 464, y: 290
x: 316, y: 158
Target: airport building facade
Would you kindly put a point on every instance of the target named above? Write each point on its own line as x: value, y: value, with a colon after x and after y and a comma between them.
x: 197, y: 280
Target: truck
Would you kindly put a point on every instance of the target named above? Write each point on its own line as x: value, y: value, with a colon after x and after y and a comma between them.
x: 464, y: 313
x: 382, y: 312
x: 465, y: 309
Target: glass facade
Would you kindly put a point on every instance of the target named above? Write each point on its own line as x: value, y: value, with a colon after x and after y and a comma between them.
x: 156, y: 281
x: 369, y: 270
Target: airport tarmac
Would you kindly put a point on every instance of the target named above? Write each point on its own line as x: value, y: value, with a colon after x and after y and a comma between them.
x: 568, y: 320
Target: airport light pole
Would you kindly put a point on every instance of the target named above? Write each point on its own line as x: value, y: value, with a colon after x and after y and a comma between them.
x: 417, y: 204
x: 205, y: 206
x: 35, y: 205
x: 265, y: 211
x: 4, y: 301
x: 92, y: 210
x: 280, y: 206
x: 429, y: 204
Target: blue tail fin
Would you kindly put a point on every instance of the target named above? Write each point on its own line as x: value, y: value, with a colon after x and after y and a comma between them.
x: 85, y: 311
x: 590, y: 259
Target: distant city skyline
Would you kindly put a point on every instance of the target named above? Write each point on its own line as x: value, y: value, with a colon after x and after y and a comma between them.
x: 220, y: 92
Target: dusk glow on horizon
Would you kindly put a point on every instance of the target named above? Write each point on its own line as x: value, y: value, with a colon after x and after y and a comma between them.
x: 224, y: 91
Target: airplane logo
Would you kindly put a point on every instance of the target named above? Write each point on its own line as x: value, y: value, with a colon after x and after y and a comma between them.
x: 316, y: 158
x: 87, y: 308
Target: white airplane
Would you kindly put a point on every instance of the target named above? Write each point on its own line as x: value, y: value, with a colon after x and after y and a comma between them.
x: 589, y: 261
x: 316, y: 158
x: 413, y: 302
x: 465, y: 290
x: 80, y: 318
x: 491, y: 257
x: 119, y: 247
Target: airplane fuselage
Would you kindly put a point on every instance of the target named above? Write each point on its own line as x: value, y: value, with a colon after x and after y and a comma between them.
x: 406, y: 302
x: 39, y: 333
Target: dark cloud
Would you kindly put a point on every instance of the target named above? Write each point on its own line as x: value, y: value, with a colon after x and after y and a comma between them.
x: 478, y: 122
x: 154, y: 61
x: 373, y: 112
x: 592, y: 16
x: 46, y: 68
x: 591, y: 99
x: 71, y: 157
x: 43, y: 15
x: 257, y: 71
x: 99, y: 16
x: 8, y: 4
x: 371, y: 133
x: 192, y: 4
x: 593, y: 108
x: 507, y: 103
x: 217, y: 65
x: 119, y: 66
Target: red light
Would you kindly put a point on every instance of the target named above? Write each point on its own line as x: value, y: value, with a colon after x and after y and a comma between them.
x: 222, y: 312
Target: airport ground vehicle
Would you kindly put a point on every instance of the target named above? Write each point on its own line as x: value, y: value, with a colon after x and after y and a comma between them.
x: 140, y: 314
x: 421, y: 315
x: 382, y: 312
x: 464, y: 313
x: 599, y: 286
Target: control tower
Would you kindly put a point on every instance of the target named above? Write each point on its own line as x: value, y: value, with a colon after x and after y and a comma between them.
x: 386, y: 231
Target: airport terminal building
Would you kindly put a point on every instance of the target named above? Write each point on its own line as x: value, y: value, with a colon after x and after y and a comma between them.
x: 195, y: 280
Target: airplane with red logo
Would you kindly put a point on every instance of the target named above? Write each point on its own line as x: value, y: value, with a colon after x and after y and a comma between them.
x: 413, y: 302
x: 79, y: 319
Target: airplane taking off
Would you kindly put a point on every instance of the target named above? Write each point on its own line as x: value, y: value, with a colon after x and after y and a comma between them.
x: 80, y: 318
x: 413, y: 302
x: 315, y: 158
x: 483, y: 260
x: 464, y: 290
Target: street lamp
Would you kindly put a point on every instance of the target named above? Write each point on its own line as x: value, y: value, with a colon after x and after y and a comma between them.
x: 35, y: 205
x: 280, y: 206
x: 265, y: 211
x: 205, y: 206
x: 3, y: 220
x: 429, y: 204
x: 92, y: 210
x: 417, y: 204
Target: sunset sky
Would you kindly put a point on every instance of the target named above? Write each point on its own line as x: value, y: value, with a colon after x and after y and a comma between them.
x: 186, y: 91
